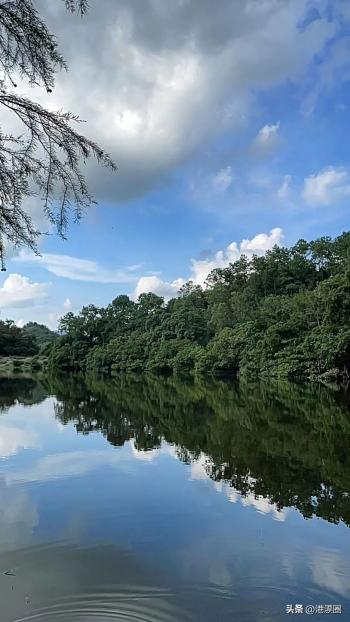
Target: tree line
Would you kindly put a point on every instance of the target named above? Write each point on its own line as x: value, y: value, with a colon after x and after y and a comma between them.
x: 283, y: 314
x: 28, y: 340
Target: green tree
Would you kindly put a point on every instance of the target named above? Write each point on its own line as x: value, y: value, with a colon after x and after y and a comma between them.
x: 284, y: 314
x: 40, y: 333
x: 14, y: 341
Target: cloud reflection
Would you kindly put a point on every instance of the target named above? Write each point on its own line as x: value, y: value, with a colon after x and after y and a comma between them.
x: 14, y: 439
x: 259, y: 503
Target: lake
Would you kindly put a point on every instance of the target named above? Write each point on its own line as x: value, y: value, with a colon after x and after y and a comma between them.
x: 145, y: 499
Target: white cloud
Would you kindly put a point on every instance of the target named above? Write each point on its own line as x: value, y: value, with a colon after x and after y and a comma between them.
x: 258, y: 245
x: 154, y: 284
x: 329, y: 186
x: 162, y: 81
x: 283, y: 190
x: 223, y: 179
x: 67, y: 305
x: 200, y: 269
x: 267, y: 138
x: 77, y: 269
x: 262, y: 242
x: 19, y: 291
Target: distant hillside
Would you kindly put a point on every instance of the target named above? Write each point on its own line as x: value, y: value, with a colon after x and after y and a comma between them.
x: 40, y: 333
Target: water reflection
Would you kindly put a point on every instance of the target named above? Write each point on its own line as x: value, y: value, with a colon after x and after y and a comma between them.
x: 193, y: 510
x: 18, y: 517
x: 281, y: 442
x: 75, y: 584
x: 22, y: 390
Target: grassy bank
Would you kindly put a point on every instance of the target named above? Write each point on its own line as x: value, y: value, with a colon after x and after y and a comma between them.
x: 22, y: 364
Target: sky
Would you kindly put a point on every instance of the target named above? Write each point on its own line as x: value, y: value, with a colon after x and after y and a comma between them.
x: 229, y: 123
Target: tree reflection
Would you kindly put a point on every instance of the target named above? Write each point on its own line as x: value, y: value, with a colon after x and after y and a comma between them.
x: 20, y: 390
x: 285, y: 442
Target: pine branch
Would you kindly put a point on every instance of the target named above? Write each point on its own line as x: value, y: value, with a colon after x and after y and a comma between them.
x: 45, y: 159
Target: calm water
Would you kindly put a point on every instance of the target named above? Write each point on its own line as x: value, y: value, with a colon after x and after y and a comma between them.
x: 157, y: 500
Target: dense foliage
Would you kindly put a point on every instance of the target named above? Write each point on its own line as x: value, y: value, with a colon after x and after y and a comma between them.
x: 285, y: 314
x: 26, y: 341
x: 41, y: 334
x: 15, y: 341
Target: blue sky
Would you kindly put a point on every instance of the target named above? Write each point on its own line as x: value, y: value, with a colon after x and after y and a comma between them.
x: 231, y: 130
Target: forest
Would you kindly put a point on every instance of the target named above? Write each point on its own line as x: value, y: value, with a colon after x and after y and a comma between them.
x: 26, y: 341
x: 284, y: 314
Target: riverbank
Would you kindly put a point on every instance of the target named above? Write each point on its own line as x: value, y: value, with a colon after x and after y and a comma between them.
x: 39, y: 366
x: 11, y: 364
